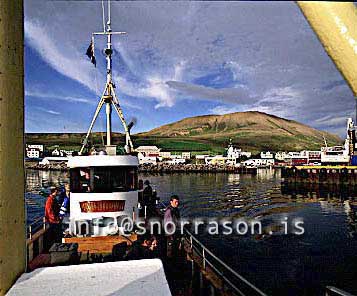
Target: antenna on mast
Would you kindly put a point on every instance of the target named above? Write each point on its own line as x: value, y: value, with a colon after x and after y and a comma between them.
x: 109, y: 97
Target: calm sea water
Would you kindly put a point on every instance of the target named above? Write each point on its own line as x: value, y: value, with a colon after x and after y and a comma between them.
x: 278, y: 264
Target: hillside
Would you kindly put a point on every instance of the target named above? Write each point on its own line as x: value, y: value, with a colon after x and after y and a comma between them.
x: 249, y: 130
x: 253, y: 131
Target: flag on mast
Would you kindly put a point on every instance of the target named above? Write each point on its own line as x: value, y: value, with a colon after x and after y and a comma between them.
x: 90, y: 52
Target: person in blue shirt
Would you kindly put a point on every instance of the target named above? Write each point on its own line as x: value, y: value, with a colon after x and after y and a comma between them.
x: 64, y: 210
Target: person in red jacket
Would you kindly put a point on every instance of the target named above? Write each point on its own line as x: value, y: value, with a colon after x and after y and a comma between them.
x: 52, y: 216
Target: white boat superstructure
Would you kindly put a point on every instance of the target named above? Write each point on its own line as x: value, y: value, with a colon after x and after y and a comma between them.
x: 104, y: 190
x: 335, y: 154
x: 339, y: 154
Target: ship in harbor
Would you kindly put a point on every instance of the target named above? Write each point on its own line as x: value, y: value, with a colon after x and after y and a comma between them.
x: 343, y: 155
x: 104, y: 191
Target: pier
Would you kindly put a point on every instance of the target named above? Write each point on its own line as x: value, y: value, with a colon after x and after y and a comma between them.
x: 336, y: 175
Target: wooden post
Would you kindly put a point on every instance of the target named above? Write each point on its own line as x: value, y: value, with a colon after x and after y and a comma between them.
x: 12, y: 177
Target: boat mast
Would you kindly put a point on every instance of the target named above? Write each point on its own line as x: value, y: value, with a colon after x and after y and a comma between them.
x: 109, y: 97
x: 108, y: 53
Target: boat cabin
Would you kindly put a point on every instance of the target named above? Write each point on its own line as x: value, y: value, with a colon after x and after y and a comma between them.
x: 104, y: 190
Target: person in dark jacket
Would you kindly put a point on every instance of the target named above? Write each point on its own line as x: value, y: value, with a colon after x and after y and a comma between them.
x: 172, y: 226
x: 147, y: 193
x: 143, y: 248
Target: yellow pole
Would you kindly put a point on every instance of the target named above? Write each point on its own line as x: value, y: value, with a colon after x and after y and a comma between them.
x: 335, y: 24
x: 12, y: 208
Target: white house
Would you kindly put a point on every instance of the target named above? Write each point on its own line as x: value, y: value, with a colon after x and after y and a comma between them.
x: 186, y: 155
x: 56, y: 152
x: 49, y: 160
x: 165, y: 154
x: 146, y: 159
x: 35, y: 146
x: 200, y: 158
x: 176, y: 161
x: 34, y: 150
x: 266, y: 155
x: 258, y: 162
x: 149, y: 150
x: 233, y: 152
x: 33, y: 153
x: 280, y: 155
x: 66, y: 152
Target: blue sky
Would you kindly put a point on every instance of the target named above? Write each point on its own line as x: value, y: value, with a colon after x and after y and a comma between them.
x: 179, y: 59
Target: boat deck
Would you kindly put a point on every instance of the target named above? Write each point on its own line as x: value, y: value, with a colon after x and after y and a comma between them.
x: 100, y: 244
x: 136, y: 277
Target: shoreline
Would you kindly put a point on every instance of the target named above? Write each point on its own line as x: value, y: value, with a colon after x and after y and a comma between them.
x: 157, y: 168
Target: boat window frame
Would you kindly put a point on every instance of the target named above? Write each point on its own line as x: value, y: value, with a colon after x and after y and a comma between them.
x: 83, y: 179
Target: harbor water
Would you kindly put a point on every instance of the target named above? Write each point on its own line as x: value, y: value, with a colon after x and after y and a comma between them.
x: 276, y: 262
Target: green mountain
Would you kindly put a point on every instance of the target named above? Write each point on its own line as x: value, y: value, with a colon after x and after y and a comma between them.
x: 253, y: 131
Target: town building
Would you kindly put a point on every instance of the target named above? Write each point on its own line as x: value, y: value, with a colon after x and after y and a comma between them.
x: 280, y: 155
x: 32, y: 153
x: 149, y: 151
x: 50, y: 160
x: 186, y: 155
x: 61, y: 152
x: 147, y: 159
x: 34, y: 150
x: 39, y: 147
x: 259, y: 162
x: 165, y: 154
x: 176, y: 161
x: 217, y: 159
x: 266, y: 155
x: 200, y: 158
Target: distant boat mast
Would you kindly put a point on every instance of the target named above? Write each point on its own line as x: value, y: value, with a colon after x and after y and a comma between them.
x: 109, y: 97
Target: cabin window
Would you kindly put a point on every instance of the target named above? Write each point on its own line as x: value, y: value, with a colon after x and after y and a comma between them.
x: 104, y: 179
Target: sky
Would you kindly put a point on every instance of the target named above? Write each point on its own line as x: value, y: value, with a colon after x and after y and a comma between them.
x: 177, y: 60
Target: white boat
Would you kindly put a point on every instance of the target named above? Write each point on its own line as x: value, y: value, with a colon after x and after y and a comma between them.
x: 339, y: 154
x: 104, y: 190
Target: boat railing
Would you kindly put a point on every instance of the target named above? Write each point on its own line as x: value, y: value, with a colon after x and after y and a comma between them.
x: 333, y: 291
x: 35, y: 226
x: 36, y: 238
x: 229, y: 279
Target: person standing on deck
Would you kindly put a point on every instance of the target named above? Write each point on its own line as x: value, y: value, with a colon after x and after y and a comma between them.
x: 52, y: 216
x: 147, y: 193
x: 172, y: 220
x: 147, y: 198
x: 64, y: 211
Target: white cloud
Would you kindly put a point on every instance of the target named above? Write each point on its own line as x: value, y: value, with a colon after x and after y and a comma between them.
x: 69, y: 63
x: 277, y: 63
x: 43, y: 95
x: 237, y: 95
x: 49, y: 111
x: 336, y: 120
x: 221, y: 110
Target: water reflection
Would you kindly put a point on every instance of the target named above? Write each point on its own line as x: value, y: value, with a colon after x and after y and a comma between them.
x: 278, y: 264
x: 333, y: 199
x: 37, y: 184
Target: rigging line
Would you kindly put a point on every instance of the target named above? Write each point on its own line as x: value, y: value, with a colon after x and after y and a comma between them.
x: 103, y: 13
x: 98, y: 94
x: 109, y: 11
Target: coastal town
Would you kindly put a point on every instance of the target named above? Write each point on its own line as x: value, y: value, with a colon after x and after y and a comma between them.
x: 232, y: 157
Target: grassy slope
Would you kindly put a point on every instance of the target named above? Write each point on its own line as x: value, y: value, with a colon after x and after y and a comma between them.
x: 253, y: 131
